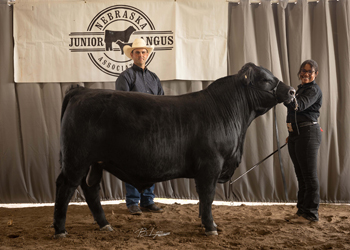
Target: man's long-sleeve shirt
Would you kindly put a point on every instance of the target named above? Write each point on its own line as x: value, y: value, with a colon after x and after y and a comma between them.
x: 139, y: 80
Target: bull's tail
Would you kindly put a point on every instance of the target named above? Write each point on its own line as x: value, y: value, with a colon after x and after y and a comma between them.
x: 68, y: 95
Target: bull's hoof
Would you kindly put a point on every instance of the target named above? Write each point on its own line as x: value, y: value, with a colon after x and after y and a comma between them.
x: 61, y: 235
x: 213, y: 224
x: 106, y: 228
x: 211, y: 233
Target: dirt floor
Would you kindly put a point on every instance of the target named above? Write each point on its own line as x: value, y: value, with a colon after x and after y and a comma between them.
x: 240, y: 227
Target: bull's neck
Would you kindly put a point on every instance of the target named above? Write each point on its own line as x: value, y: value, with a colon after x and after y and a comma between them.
x: 231, y: 102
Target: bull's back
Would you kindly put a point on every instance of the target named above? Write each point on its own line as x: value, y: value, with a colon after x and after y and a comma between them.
x: 133, y: 130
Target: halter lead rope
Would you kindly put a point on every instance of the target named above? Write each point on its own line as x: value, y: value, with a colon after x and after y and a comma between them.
x: 239, y: 177
x: 295, y: 114
x: 280, y: 158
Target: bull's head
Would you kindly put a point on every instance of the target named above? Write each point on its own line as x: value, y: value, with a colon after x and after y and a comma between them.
x: 264, y: 88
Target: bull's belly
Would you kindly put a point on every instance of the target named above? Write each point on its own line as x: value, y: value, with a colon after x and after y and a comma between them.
x: 146, y: 175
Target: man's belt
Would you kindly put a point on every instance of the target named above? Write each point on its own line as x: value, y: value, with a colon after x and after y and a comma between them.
x: 302, y: 124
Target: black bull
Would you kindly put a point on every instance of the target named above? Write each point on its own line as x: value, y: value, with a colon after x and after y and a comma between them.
x: 143, y: 139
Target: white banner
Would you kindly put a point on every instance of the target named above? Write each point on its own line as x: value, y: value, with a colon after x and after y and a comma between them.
x: 82, y: 41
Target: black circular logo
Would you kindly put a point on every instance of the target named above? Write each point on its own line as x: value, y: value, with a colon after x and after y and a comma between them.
x: 111, y: 30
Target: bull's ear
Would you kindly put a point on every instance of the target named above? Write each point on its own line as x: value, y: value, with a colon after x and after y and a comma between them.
x: 246, y: 79
x: 246, y: 74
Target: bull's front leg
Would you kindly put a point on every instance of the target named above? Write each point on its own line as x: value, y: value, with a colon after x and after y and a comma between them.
x: 206, y: 192
x: 200, y: 211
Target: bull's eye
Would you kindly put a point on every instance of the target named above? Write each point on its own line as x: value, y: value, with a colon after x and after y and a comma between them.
x: 269, y: 82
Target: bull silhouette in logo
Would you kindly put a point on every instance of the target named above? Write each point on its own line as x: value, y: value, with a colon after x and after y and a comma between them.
x: 115, y: 36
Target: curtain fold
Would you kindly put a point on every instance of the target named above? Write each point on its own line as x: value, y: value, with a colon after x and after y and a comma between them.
x: 338, y: 138
x: 11, y: 153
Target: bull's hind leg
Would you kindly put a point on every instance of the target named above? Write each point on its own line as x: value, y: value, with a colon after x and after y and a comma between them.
x: 64, y: 192
x: 92, y: 197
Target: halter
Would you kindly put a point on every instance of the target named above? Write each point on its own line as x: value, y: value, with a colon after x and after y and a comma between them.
x: 272, y: 92
x: 275, y: 90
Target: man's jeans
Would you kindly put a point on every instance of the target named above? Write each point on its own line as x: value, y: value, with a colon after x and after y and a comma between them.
x: 133, y: 196
x: 303, y: 150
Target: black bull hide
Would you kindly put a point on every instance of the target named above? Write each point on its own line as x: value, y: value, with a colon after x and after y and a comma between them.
x: 143, y: 139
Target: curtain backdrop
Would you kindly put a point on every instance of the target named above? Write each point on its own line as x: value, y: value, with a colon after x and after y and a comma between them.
x: 276, y: 36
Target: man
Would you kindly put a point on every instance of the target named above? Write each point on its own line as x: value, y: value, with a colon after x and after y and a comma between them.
x: 139, y: 79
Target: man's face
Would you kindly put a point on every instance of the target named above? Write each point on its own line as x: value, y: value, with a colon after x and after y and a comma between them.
x: 139, y: 56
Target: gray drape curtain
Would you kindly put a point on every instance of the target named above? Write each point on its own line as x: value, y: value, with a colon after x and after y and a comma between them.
x: 276, y: 36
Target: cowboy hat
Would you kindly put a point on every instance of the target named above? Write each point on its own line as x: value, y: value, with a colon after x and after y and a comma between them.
x: 137, y: 44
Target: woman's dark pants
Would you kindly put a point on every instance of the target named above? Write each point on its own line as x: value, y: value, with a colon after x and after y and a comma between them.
x: 303, y: 150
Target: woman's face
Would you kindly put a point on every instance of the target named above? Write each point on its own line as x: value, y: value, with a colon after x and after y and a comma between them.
x: 307, y: 74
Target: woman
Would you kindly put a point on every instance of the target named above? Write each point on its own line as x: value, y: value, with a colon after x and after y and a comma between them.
x: 304, y: 140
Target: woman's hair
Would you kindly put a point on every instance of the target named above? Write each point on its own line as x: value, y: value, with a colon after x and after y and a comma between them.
x: 311, y: 62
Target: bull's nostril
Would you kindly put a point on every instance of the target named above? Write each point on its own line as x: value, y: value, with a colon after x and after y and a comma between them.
x: 292, y: 92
